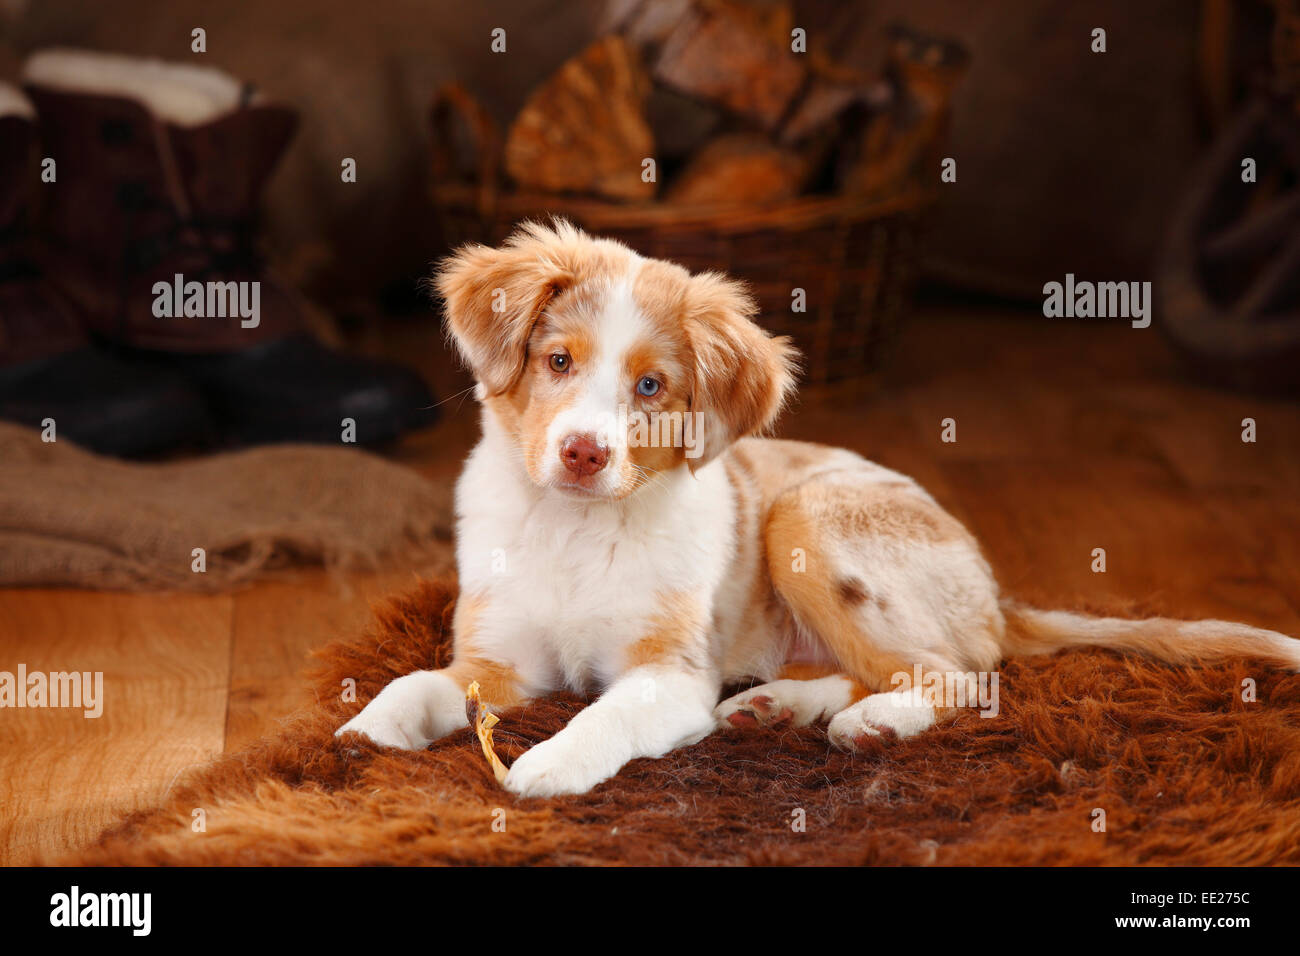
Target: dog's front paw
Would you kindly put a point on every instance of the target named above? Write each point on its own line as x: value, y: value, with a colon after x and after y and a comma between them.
x: 551, y: 769
x: 405, y: 714
x: 383, y: 730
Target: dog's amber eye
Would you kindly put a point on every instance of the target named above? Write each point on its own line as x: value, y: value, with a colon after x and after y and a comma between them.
x: 560, y: 363
x: 648, y: 386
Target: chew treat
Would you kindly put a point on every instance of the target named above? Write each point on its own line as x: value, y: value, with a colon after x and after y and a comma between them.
x: 483, y: 720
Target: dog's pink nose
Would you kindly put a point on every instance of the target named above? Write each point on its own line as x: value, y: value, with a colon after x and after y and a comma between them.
x: 583, y: 455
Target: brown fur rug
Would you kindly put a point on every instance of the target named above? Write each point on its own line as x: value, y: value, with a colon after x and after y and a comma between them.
x: 1185, y: 771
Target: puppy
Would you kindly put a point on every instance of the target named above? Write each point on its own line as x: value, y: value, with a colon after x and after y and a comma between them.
x: 620, y: 533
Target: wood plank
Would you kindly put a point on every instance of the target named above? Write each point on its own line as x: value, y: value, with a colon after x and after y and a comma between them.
x: 1252, y: 488
x: 165, y: 661
x: 1039, y: 524
x: 1199, y: 429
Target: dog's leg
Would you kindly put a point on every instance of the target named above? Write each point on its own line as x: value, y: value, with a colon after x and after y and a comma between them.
x: 904, y: 711
x: 793, y: 703
x: 417, y: 709
x: 646, y: 712
x: 883, y: 717
x: 893, y: 588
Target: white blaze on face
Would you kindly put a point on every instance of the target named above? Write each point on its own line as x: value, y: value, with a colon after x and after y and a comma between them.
x: 601, y: 392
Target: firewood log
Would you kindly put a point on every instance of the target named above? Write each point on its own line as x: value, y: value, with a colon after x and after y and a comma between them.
x: 645, y: 24
x: 739, y: 168
x: 830, y: 91
x: 584, y: 129
x: 905, y: 142
x: 735, y: 56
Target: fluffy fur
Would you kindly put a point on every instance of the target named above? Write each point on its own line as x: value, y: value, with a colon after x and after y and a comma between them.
x: 653, y: 574
x: 1186, y: 772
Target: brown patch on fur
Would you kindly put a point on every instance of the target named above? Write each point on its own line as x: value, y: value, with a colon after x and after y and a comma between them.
x: 672, y: 635
x: 660, y: 292
x: 742, y: 376
x: 499, y: 683
x: 1010, y: 790
x: 802, y: 670
x: 852, y: 591
x: 760, y: 472
x: 494, y: 297
x: 569, y: 328
x: 538, y: 393
x: 652, y: 458
x: 468, y: 609
x: 813, y: 595
x: 662, y: 354
x: 648, y: 357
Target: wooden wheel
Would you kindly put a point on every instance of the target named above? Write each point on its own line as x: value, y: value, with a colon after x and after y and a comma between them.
x: 1229, y: 271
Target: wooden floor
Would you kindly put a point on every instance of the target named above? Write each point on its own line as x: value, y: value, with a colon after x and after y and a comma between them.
x: 1070, y: 437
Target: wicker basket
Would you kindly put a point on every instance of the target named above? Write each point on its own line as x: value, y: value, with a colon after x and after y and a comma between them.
x: 855, y: 260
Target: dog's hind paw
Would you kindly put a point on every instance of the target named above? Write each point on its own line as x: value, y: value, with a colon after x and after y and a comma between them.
x: 782, y: 703
x: 879, y: 719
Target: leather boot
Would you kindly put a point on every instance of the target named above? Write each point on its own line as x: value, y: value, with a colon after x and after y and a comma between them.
x: 49, y: 371
x: 161, y: 170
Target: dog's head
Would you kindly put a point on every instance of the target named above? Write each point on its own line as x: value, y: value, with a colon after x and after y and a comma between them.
x: 606, y: 368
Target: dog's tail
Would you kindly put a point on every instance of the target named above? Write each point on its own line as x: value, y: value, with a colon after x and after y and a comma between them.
x: 1033, y: 631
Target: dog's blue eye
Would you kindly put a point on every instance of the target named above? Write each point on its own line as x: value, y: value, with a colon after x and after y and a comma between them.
x: 647, y: 386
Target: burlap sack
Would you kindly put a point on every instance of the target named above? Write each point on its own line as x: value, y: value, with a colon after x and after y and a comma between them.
x: 69, y: 517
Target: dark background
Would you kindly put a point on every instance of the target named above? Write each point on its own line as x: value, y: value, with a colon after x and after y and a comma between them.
x: 1064, y: 165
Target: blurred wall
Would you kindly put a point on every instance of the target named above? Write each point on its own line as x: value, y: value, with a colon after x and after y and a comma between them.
x: 1067, y: 161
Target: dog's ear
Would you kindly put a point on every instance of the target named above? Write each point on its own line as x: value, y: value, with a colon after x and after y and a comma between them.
x: 742, y: 375
x: 493, y: 298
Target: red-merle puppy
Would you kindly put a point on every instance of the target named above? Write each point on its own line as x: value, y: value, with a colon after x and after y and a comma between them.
x: 620, y: 533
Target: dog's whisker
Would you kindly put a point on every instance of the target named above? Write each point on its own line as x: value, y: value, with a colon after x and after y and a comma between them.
x: 461, y: 395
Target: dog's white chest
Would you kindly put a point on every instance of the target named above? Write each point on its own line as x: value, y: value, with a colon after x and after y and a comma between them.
x: 577, y: 591
x: 570, y: 587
